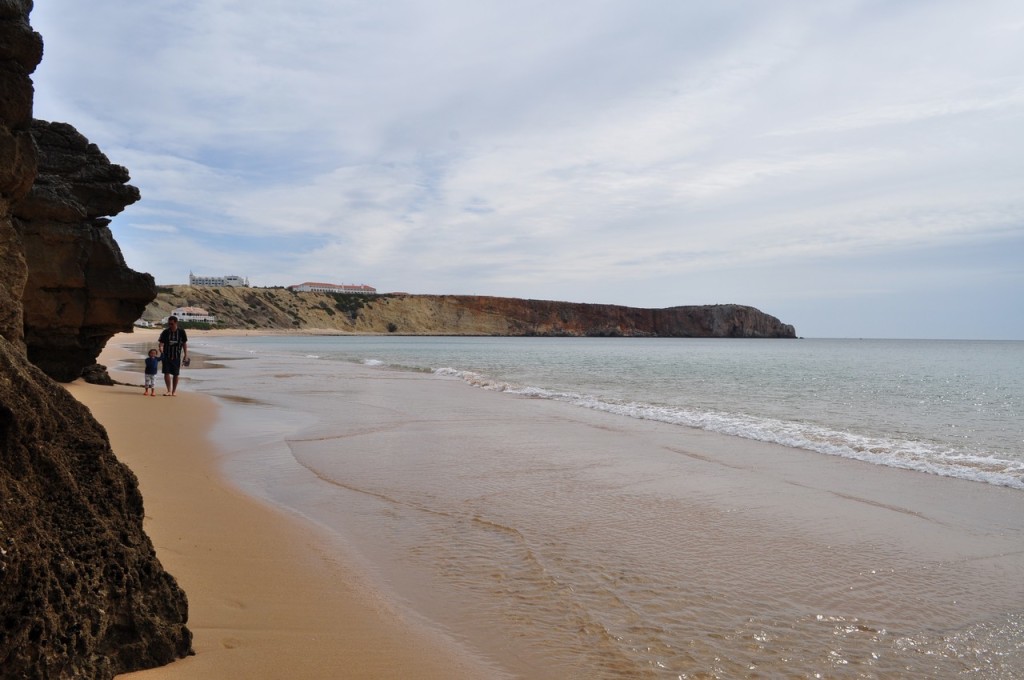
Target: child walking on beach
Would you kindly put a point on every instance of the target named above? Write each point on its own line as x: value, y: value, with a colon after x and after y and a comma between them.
x: 152, y: 364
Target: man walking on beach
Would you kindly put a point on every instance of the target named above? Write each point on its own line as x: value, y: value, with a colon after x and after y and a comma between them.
x: 173, y: 343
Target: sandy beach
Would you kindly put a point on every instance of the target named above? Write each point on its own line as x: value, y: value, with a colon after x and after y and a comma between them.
x: 266, y: 600
x: 550, y: 541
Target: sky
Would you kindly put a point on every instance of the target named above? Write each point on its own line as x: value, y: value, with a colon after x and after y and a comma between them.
x: 853, y: 167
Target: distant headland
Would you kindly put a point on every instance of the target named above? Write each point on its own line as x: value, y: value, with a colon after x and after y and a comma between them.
x: 278, y: 308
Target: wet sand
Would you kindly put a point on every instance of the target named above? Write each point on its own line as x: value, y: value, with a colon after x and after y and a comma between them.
x: 267, y: 599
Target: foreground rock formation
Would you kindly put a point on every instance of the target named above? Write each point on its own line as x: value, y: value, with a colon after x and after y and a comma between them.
x: 79, y: 291
x: 278, y: 308
x: 82, y: 594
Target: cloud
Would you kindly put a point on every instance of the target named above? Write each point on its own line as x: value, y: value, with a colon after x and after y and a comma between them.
x: 547, y: 149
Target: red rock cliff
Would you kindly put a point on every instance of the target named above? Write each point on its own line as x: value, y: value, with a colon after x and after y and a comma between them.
x: 544, y: 317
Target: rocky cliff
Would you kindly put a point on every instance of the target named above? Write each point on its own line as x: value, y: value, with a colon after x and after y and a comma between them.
x: 278, y: 308
x: 82, y: 594
x: 79, y: 291
x: 20, y: 51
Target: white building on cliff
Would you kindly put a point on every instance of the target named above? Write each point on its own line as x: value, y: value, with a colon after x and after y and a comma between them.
x: 217, y: 281
x: 187, y: 314
x: 347, y: 288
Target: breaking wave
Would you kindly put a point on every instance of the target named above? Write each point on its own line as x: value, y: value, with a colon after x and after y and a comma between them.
x: 897, y: 453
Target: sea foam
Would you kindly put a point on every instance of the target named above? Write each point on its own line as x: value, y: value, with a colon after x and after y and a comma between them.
x: 891, y: 452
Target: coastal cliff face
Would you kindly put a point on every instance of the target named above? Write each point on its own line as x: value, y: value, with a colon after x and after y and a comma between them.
x: 20, y: 51
x: 277, y: 308
x: 82, y: 594
x: 79, y: 291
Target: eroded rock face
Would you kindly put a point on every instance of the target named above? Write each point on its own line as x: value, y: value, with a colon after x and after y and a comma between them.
x: 721, y: 321
x: 79, y: 291
x: 82, y: 594
x: 20, y: 51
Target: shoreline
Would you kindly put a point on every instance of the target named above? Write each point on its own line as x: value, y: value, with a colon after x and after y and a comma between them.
x: 781, y: 536
x: 941, y: 436
x: 267, y: 598
x: 490, y: 513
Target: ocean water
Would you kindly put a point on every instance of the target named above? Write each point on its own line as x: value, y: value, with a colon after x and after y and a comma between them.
x: 953, y: 408
x: 599, y: 560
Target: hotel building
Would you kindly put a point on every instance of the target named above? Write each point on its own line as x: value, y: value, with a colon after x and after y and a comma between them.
x: 348, y: 288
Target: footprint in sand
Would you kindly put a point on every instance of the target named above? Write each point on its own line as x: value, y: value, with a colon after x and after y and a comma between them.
x: 230, y: 643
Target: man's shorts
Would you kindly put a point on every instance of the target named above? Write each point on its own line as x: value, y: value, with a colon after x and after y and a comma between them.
x: 172, y: 367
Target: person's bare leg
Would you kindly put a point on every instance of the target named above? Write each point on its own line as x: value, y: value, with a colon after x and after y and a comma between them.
x: 174, y: 389
x: 167, y: 381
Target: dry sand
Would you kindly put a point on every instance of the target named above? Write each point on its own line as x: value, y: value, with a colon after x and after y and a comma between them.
x: 266, y: 599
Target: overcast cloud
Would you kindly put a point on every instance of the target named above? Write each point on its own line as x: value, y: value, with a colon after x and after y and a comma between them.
x: 854, y: 167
